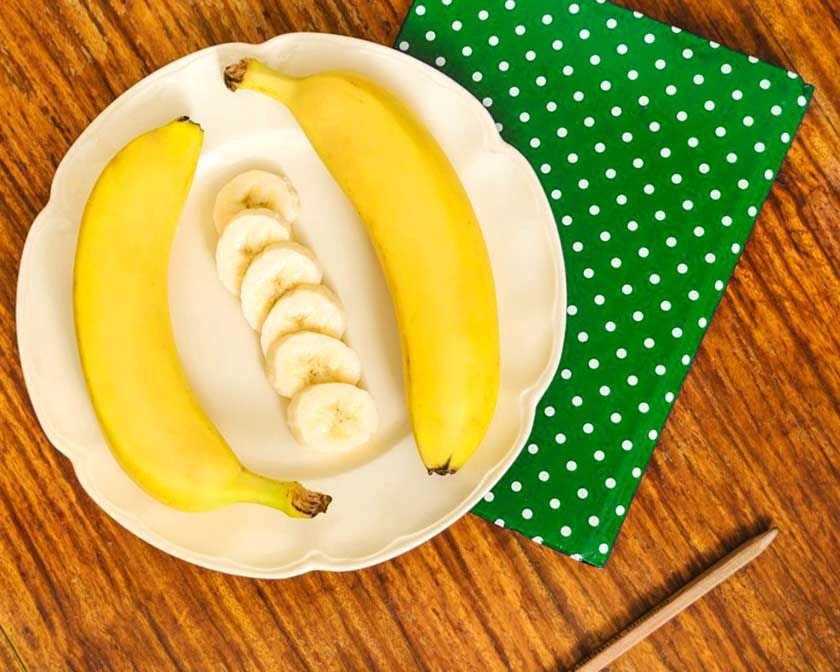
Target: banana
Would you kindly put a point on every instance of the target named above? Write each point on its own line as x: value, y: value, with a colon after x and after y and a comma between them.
x: 153, y: 423
x: 428, y: 241
x: 308, y: 358
x: 256, y: 189
x: 306, y: 307
x: 332, y: 416
x: 245, y: 236
x: 271, y: 273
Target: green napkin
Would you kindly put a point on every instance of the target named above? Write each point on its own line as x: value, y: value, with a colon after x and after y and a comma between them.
x: 656, y: 149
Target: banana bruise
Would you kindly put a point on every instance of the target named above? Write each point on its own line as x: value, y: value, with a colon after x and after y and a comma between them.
x: 153, y: 423
x: 417, y: 214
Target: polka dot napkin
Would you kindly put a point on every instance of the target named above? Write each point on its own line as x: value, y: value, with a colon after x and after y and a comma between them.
x: 656, y: 149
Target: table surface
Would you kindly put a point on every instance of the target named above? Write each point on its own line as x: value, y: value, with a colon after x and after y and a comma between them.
x: 752, y: 441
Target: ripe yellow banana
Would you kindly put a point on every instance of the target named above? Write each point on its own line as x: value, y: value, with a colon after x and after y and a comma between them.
x: 152, y: 421
x: 428, y: 241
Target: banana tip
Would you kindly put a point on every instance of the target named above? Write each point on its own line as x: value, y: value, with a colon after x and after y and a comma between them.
x: 235, y: 73
x: 186, y: 120
x: 442, y: 470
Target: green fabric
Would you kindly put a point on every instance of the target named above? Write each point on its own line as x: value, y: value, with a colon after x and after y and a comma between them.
x: 656, y: 149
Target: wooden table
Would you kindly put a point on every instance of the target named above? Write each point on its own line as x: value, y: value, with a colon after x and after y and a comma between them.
x: 753, y: 440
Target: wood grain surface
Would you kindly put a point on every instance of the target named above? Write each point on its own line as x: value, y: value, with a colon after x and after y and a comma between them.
x: 752, y: 441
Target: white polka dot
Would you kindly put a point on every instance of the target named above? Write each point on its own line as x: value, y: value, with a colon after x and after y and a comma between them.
x: 719, y: 285
x: 748, y: 121
x: 547, y: 19
x: 726, y: 220
x: 516, y: 486
x: 687, y: 53
x: 611, y: 23
x: 752, y: 211
x: 565, y: 531
x: 632, y: 380
x: 589, y: 122
x: 543, y: 476
x: 404, y: 46
x: 759, y: 147
x: 483, y: 15
x: 572, y: 158
x: 659, y: 369
x: 549, y: 411
x: 610, y: 173
x: 610, y: 482
x: 654, y: 278
x: 802, y: 101
x: 659, y: 64
x: 604, y: 390
x: 726, y: 68
x: 643, y: 252
x: 720, y: 131
x: 714, y: 194
x: 735, y: 248
x: 577, y: 400
x: 510, y: 4
x: 644, y: 407
x: 682, y: 269
x: 649, y: 343
x: 600, y: 147
x: 606, y: 85
x: 467, y: 51
x: 551, y: 106
x: 571, y: 465
x: 533, y: 448
x: 565, y: 374
x: 621, y: 49
x: 609, y: 326
x: 493, y: 40
x: 489, y: 497
x: 615, y: 111
x: 776, y: 110
x: 537, y: 540
x: 693, y: 142
x: 620, y: 510
x: 676, y: 178
x: 615, y: 417
x: 535, y: 142
x: 578, y: 96
x: 560, y: 438
x: 627, y: 444
x: 632, y: 75
x: 693, y: 295
x: 430, y: 35
x: 583, y: 337
x: 671, y: 90
x: 621, y: 353
x: 487, y: 102
x: 554, y: 503
x: 665, y: 152
x: 574, y: 8
x: 421, y: 10
x: 524, y: 117
x: 665, y: 305
x: 530, y: 55
x: 562, y: 133
x: 627, y: 136
x: 669, y: 397
x: 582, y: 493
x: 593, y: 521
x: 737, y: 94
x: 764, y: 84
x: 709, y: 258
x: 649, y: 189
x: 632, y: 225
x: 785, y: 137
x: 584, y: 34
x: 504, y: 66
x: 686, y: 360
x: 743, y: 183
x: 709, y: 105
x: 545, y: 168
x: 768, y: 174
x: 638, y: 163
x: 499, y: 522
x: 704, y: 168
x: 519, y: 30
x: 636, y: 472
x: 527, y: 514
x: 670, y: 241
x: 566, y: 220
x: 513, y: 91
x: 650, y: 38
x: 687, y: 204
x: 626, y: 289
x: 557, y: 45
x: 702, y: 322
x: 588, y: 428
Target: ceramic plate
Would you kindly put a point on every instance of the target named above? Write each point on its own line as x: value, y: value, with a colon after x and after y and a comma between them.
x: 384, y: 503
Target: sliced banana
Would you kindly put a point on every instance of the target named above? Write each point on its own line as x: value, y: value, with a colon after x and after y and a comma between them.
x: 332, y: 416
x: 306, y: 358
x: 256, y: 189
x: 271, y: 273
x: 246, y: 235
x: 306, y: 307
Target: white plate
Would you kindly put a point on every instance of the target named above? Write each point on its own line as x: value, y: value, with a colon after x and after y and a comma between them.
x: 384, y: 503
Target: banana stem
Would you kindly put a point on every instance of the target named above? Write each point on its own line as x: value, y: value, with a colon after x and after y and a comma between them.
x: 290, y: 497
x: 251, y: 74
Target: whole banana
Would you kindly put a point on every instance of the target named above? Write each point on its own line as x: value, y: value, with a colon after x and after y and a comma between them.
x: 153, y: 423
x: 428, y: 241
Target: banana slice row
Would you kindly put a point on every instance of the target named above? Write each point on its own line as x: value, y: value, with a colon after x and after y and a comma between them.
x: 300, y: 321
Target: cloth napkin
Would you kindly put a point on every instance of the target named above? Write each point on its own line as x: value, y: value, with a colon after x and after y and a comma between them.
x: 656, y: 149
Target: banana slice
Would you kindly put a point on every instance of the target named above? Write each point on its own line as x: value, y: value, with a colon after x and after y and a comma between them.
x: 307, y: 358
x: 306, y: 307
x: 256, y: 189
x: 246, y: 235
x: 271, y: 273
x: 332, y: 416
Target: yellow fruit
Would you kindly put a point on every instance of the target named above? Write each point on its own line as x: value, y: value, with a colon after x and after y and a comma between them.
x: 428, y: 240
x: 153, y: 423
